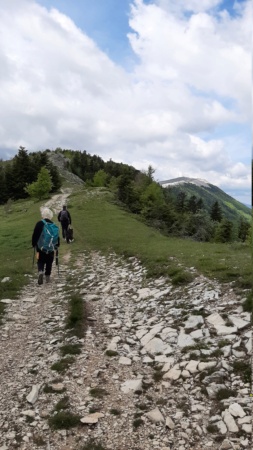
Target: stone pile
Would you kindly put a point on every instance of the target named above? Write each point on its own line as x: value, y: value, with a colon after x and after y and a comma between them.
x: 161, y: 367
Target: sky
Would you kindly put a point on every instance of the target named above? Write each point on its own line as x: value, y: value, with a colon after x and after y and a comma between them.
x: 145, y: 82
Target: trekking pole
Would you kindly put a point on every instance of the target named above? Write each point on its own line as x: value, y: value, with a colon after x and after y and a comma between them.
x: 33, y: 255
x: 57, y: 260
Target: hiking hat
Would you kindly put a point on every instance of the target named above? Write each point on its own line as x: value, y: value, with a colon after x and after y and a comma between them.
x: 46, y: 213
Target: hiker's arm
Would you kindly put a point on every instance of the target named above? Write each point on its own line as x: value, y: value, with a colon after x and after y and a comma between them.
x: 37, y: 232
x: 69, y: 218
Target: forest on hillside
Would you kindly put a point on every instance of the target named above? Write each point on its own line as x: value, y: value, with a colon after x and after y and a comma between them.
x: 181, y: 215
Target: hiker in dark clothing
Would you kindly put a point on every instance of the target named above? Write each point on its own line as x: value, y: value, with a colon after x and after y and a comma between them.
x: 45, y: 260
x: 65, y: 219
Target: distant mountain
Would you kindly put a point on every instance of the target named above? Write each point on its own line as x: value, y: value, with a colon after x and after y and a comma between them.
x: 231, y: 208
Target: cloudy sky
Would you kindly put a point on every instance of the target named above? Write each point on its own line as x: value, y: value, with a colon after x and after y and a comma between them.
x: 159, y: 82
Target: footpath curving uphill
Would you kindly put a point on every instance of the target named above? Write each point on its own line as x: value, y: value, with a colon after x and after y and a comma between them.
x: 160, y: 367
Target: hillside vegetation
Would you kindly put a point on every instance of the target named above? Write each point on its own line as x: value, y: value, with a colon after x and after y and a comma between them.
x: 232, y: 209
x: 201, y: 215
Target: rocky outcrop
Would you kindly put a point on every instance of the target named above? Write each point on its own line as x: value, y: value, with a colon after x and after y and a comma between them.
x: 61, y: 162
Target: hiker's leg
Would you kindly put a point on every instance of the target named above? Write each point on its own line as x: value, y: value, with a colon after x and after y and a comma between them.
x: 49, y: 262
x: 41, y: 265
x: 63, y: 231
x: 41, y: 262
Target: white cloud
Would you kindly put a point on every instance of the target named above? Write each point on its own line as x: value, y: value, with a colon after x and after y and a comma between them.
x: 193, y: 76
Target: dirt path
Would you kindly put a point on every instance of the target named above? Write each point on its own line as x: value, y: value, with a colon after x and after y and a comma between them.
x: 148, y: 371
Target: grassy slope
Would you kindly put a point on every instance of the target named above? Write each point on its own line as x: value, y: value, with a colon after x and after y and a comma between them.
x: 101, y: 225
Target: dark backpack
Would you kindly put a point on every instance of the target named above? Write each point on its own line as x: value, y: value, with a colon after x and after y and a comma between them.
x: 48, y: 240
x: 64, y: 217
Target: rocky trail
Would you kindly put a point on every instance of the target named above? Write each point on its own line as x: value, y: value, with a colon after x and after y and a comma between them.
x: 160, y: 367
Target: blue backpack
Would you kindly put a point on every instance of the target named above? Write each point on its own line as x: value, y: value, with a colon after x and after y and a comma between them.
x: 48, y: 240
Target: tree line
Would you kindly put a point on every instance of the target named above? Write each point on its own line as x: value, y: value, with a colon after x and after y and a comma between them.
x: 182, y: 215
x: 18, y: 177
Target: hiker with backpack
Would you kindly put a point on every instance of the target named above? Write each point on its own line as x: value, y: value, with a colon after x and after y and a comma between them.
x: 45, y: 240
x: 65, y: 219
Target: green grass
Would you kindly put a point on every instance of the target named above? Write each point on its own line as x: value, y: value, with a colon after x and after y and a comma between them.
x: 16, y: 228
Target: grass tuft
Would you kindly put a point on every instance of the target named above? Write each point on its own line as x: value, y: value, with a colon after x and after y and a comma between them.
x: 111, y: 353
x: 62, y: 365
x: 92, y: 445
x: 243, y: 369
x: 98, y: 392
x: 137, y: 423
x: 70, y: 349
x: 224, y: 393
x: 62, y: 404
x: 77, y: 315
x: 63, y: 420
x: 115, y: 412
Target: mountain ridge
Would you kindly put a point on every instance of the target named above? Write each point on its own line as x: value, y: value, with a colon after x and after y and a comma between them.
x: 232, y: 208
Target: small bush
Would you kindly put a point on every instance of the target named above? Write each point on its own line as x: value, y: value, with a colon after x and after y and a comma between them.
x: 162, y: 401
x: 48, y: 389
x: 70, y: 349
x: 217, y: 352
x: 243, y: 369
x: 111, y: 353
x: 115, y: 412
x: 211, y: 428
x: 157, y: 376
x: 137, y: 423
x: 223, y: 343
x: 91, y: 445
x: 64, y: 420
x: 63, y: 364
x: 247, y: 304
x: 224, y: 393
x: 62, y: 404
x: 98, y: 392
x: 182, y: 278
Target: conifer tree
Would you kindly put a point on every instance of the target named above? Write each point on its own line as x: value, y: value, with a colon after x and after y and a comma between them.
x: 216, y: 212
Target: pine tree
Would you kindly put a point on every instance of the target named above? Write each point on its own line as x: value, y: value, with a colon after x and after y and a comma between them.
x: 224, y: 231
x: 22, y: 173
x: 3, y: 187
x: 181, y: 201
x: 216, y: 212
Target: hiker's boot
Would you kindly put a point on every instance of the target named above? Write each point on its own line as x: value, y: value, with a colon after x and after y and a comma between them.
x: 40, y: 279
x: 47, y: 278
